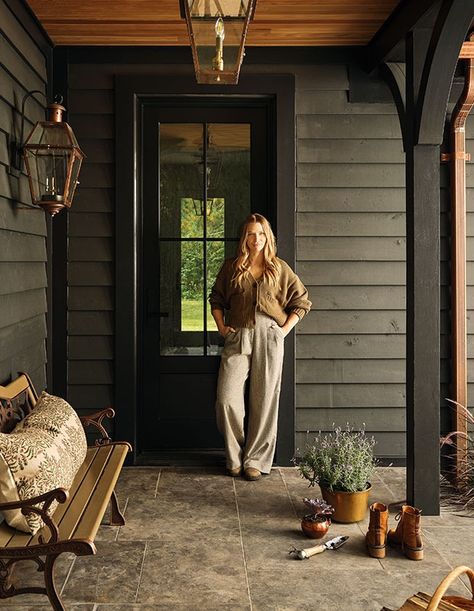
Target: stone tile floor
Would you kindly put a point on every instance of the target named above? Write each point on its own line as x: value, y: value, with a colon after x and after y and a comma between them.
x: 196, y: 539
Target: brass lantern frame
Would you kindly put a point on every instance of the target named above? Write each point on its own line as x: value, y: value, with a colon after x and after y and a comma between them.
x: 216, y: 75
x: 69, y: 149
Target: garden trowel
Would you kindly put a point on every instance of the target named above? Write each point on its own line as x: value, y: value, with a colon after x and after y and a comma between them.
x: 335, y: 543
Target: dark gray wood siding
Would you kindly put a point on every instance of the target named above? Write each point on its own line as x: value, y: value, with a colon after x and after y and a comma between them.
x: 91, y: 247
x: 350, y: 195
x: 351, y: 254
x: 23, y: 230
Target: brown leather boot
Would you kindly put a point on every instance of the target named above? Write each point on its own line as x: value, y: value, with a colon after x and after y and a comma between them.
x: 408, y: 533
x: 377, y: 533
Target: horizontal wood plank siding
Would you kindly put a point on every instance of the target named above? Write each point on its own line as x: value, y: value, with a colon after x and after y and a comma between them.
x: 351, y: 245
x: 23, y: 229
x: 91, y: 248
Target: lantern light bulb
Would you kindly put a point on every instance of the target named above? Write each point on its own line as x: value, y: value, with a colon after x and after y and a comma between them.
x: 219, y: 27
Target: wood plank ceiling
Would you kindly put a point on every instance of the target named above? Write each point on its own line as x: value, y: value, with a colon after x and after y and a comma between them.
x: 308, y: 23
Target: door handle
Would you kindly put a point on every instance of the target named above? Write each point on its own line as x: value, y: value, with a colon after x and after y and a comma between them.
x: 151, y: 304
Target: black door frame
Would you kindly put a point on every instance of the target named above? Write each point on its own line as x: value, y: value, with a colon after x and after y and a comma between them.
x: 131, y: 91
x: 160, y: 401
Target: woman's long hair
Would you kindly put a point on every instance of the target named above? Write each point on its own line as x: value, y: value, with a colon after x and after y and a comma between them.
x: 272, y: 267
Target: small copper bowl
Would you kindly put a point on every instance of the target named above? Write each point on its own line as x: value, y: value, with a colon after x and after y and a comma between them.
x: 314, y: 529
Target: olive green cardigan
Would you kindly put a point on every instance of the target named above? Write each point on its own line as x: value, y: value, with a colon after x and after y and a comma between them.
x: 241, y: 302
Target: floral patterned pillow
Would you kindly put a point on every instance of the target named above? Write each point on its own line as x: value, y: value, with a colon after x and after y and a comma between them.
x: 43, y: 452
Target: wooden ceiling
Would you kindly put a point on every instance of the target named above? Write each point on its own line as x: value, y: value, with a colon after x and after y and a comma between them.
x: 309, y: 23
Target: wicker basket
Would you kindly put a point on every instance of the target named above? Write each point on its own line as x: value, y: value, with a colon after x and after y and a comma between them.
x: 440, y: 602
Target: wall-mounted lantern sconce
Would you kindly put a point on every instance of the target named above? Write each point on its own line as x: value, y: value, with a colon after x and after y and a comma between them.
x: 52, y: 159
x: 217, y: 31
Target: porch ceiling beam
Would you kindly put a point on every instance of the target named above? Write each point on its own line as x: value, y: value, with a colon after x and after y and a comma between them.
x: 394, y: 31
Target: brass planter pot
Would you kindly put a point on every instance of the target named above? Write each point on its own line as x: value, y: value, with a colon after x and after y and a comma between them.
x: 348, y: 506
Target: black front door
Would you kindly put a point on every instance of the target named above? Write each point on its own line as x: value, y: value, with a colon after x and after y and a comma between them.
x: 205, y: 168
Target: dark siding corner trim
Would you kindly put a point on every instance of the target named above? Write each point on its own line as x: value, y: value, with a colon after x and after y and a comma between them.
x: 31, y: 24
x: 57, y: 268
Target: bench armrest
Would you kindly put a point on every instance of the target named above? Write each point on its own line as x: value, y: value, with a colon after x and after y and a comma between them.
x: 31, y: 506
x: 95, y: 420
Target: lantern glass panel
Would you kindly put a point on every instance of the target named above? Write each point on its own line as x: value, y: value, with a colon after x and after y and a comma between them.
x: 223, y: 8
x: 76, y: 161
x: 206, y: 46
x: 48, y: 172
x: 54, y: 134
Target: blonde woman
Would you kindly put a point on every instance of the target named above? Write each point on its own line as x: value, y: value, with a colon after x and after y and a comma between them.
x: 256, y: 300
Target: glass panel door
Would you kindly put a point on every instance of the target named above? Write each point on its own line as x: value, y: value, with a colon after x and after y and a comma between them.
x: 205, y: 168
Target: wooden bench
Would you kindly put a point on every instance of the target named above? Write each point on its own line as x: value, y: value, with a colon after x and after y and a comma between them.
x: 75, y: 522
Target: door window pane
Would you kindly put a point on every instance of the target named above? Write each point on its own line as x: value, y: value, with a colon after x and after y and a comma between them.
x: 192, y: 307
x: 228, y: 162
x: 204, y: 196
x: 181, y: 179
x: 181, y: 270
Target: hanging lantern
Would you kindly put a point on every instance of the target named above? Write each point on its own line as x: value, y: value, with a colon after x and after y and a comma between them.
x: 217, y: 30
x: 53, y: 160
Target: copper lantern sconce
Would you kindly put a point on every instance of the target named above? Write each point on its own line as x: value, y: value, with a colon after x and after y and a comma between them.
x: 52, y: 159
x: 217, y: 30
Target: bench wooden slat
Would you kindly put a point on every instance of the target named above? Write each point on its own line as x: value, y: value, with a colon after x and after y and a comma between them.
x: 89, y: 481
x: 6, y: 533
x: 91, y: 518
x: 19, y: 539
x: 63, y: 508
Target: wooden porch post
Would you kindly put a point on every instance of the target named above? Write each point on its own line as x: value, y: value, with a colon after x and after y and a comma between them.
x: 423, y: 294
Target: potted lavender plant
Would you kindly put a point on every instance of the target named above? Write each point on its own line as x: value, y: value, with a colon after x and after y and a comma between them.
x: 342, y: 463
x: 316, y: 524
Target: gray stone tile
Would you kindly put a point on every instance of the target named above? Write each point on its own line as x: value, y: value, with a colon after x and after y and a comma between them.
x: 331, y: 589
x: 267, y: 484
x: 112, y: 575
x: 456, y: 545
x: 448, y: 519
x: 261, y: 507
x: 26, y: 575
x: 395, y: 561
x: 166, y: 517
x: 107, y: 533
x: 186, y: 572
x: 197, y: 483
x: 135, y: 481
x: 6, y: 606
x: 267, y: 545
x: 173, y: 607
x: 395, y: 479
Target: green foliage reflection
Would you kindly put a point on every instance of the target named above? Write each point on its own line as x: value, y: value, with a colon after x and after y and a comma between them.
x: 192, y: 226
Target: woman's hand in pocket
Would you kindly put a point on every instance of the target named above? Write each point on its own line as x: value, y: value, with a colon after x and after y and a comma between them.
x: 225, y: 330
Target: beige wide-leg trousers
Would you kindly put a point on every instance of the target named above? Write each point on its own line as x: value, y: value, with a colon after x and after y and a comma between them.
x: 257, y: 353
